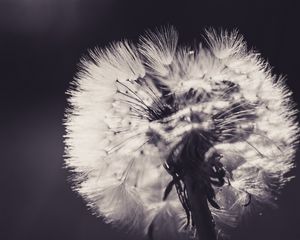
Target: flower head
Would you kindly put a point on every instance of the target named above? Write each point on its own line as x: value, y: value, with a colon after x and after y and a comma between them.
x: 136, y: 111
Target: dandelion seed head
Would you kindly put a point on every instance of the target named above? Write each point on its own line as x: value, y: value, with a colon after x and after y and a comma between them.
x: 132, y: 105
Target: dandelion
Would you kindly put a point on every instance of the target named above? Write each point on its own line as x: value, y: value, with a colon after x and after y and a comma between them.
x: 175, y: 142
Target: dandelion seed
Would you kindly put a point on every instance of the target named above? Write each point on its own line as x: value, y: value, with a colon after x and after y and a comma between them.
x: 171, y: 141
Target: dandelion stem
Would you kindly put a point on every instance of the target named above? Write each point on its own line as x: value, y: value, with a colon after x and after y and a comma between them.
x: 201, y: 215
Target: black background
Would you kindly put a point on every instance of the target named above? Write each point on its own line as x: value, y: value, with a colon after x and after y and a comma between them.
x: 41, y: 43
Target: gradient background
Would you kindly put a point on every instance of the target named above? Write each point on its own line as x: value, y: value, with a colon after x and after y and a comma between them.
x: 41, y: 42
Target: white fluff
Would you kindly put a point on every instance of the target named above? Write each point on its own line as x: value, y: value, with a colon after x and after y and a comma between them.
x: 120, y: 173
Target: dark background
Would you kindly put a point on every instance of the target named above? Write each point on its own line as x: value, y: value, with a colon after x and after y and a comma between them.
x: 41, y: 42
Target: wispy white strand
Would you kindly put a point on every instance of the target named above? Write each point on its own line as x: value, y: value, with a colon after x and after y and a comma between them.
x: 158, y: 49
